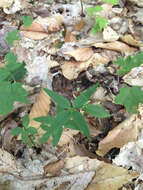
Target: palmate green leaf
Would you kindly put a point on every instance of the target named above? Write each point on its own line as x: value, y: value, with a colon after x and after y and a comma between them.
x: 129, y: 63
x: 130, y: 98
x: 16, y: 131
x: 13, y: 70
x: 57, y: 135
x: 93, y: 10
x: 81, y: 123
x: 25, y: 121
x: 9, y: 93
x: 71, y: 125
x: 96, y: 110
x: 114, y: 2
x: 32, y: 130
x: 47, y: 135
x: 58, y: 99
x: 84, y: 97
x: 24, y: 137
x: 27, y: 20
x: 12, y: 36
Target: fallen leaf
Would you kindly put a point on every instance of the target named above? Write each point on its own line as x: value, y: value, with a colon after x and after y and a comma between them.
x: 109, y: 35
x: 69, y: 37
x: 35, y: 27
x: 130, y: 40
x: 40, y: 108
x: 79, y: 25
x: 34, y: 35
x: 111, y: 177
x: 6, y: 3
x: 54, y: 169
x: 81, y: 54
x: 7, y: 162
x: 116, y: 46
x: 125, y: 132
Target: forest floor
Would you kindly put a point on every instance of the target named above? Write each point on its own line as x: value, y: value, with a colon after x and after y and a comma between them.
x: 61, y: 53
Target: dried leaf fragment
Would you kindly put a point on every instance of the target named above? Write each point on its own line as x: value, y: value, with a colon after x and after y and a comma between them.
x: 125, y: 132
x: 6, y: 3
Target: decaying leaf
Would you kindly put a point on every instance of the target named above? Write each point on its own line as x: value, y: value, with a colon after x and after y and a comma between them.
x: 69, y: 37
x: 125, y: 132
x: 6, y: 3
x: 54, y: 169
x: 40, y: 108
x: 81, y: 54
x: 7, y: 162
x: 110, y: 35
x: 116, y: 46
x: 111, y: 177
x: 130, y: 40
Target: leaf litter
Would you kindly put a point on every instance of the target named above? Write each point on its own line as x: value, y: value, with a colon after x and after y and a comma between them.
x: 61, y: 54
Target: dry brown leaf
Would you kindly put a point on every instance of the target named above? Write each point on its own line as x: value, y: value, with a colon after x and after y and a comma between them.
x: 116, y: 46
x: 130, y: 40
x: 7, y: 162
x: 111, y: 177
x: 125, y: 132
x: 54, y: 169
x: 40, y: 108
x: 4, y: 3
x: 34, y: 35
x: 71, y: 69
x: 69, y: 37
x: 35, y: 27
x: 79, y: 25
x: 81, y: 54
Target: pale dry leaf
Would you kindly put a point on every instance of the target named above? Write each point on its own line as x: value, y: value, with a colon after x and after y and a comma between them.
x: 81, y: 54
x: 54, y: 169
x: 34, y: 35
x: 35, y: 27
x: 129, y: 39
x: 125, y: 132
x: 6, y: 3
x: 7, y: 162
x: 71, y: 69
x: 111, y: 177
x: 40, y: 108
x: 109, y: 35
x: 116, y: 46
x: 69, y: 37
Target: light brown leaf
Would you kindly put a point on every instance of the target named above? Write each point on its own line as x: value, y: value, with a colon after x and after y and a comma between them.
x: 79, y: 25
x: 54, y: 169
x: 4, y: 3
x: 69, y: 37
x: 125, y: 132
x: 130, y: 40
x: 111, y: 177
x: 35, y: 27
x: 34, y: 35
x: 116, y: 46
x: 40, y: 108
x: 81, y: 54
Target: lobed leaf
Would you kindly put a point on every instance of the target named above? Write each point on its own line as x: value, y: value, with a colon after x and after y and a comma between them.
x: 27, y: 20
x: 84, y: 97
x: 96, y: 110
x: 12, y: 36
x: 25, y: 121
x: 130, y: 98
x: 16, y: 131
x: 58, y: 99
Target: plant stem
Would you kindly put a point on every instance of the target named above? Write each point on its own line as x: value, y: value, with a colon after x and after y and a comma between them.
x: 82, y: 14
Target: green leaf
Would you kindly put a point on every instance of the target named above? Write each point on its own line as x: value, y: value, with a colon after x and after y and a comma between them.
x: 9, y: 93
x: 96, y: 110
x: 32, y: 130
x: 71, y: 125
x: 84, y: 97
x: 16, y: 131
x: 81, y: 123
x: 27, y: 20
x: 58, y: 99
x: 25, y: 121
x: 12, y: 36
x: 24, y: 137
x: 93, y: 10
x: 57, y: 135
x: 46, y: 136
x: 13, y: 70
x: 130, y: 98
x: 129, y: 62
x: 114, y: 2
x: 45, y: 119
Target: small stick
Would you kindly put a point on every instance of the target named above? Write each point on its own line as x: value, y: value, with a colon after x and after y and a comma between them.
x: 82, y: 14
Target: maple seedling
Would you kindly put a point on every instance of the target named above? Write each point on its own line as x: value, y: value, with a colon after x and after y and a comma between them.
x: 69, y: 115
x: 27, y: 133
x: 27, y: 20
x: 100, y: 23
